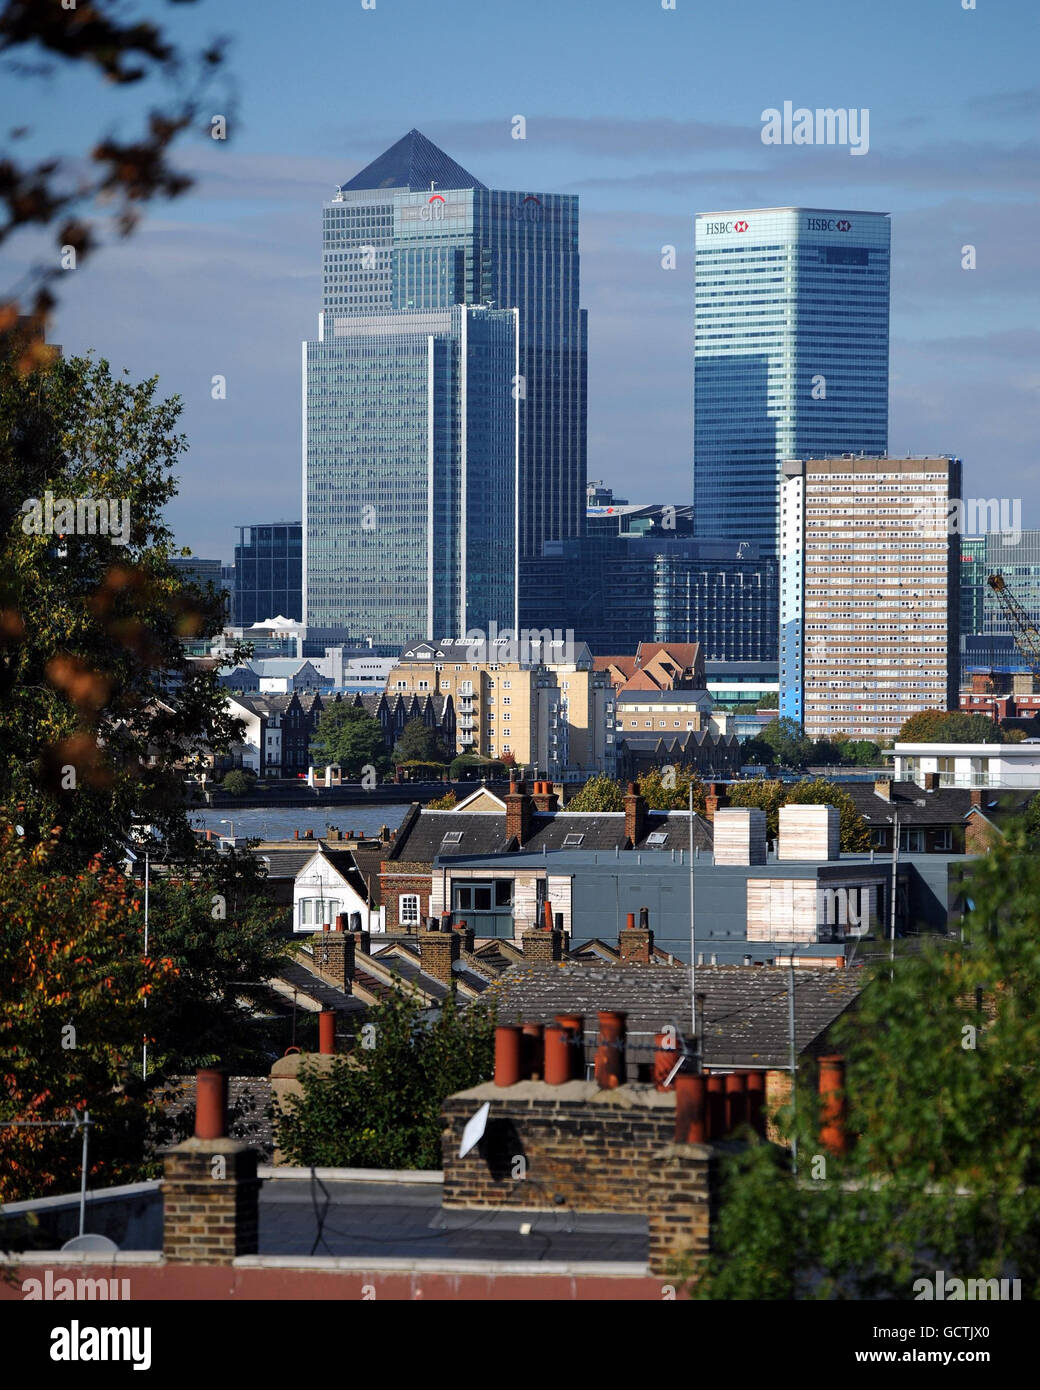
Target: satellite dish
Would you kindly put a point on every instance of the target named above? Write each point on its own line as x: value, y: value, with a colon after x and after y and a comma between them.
x: 92, y: 1245
x: 474, y: 1131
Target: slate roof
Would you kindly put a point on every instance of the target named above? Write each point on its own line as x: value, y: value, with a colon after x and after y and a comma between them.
x: 484, y: 833
x: 746, y: 1007
x: 916, y: 807
x: 411, y: 163
x: 285, y: 863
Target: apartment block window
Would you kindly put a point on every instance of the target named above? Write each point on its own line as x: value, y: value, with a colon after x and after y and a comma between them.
x: 408, y: 909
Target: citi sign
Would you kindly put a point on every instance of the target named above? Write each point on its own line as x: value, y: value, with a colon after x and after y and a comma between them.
x: 828, y: 224
x: 433, y: 211
x: 714, y: 228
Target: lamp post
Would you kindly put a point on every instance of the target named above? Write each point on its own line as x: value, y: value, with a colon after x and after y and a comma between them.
x: 893, y: 820
x: 225, y: 821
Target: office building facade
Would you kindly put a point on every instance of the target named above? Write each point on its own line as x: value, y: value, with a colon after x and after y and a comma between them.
x: 618, y: 591
x: 869, y: 593
x: 410, y: 442
x: 414, y: 233
x: 268, y: 573
x: 790, y: 355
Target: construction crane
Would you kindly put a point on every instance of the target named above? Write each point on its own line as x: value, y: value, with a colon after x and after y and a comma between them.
x: 1023, y: 629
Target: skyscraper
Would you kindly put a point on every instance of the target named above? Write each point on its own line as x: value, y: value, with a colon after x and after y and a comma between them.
x: 415, y: 233
x: 869, y: 593
x: 410, y: 444
x: 790, y: 355
x: 268, y: 573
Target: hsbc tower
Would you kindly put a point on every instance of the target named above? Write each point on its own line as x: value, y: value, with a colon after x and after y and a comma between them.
x: 790, y: 355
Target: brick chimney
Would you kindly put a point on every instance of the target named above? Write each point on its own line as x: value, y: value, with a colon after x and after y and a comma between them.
x: 976, y: 797
x: 334, y: 955
x: 883, y: 788
x: 544, y: 797
x: 438, y: 950
x: 211, y: 1194
x: 714, y: 797
x: 542, y: 947
x: 931, y: 781
x: 635, y: 814
x: 637, y: 943
x: 518, y: 813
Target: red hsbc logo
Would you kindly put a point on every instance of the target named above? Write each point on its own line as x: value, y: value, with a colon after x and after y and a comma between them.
x: 844, y: 226
x: 740, y: 226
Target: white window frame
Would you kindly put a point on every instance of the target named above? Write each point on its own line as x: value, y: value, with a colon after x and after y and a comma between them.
x: 405, y: 917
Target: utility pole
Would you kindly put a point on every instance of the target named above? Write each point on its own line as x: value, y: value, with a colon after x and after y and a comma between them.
x: 895, y: 878
x: 791, y: 1062
x: 693, y: 944
x: 144, y: 1050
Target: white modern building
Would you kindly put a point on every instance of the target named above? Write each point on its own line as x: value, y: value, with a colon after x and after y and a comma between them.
x: 1007, y: 765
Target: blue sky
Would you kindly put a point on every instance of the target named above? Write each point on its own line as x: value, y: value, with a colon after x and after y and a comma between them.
x: 651, y: 116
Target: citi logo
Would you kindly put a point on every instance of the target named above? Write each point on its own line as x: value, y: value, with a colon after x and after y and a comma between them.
x: 433, y: 210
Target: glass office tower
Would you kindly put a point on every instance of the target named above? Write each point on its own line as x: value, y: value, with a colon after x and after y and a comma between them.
x: 790, y: 356
x: 410, y: 450
x: 414, y: 231
x: 268, y: 573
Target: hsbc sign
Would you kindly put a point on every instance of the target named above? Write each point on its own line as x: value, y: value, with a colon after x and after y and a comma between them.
x: 715, y: 228
x: 828, y: 224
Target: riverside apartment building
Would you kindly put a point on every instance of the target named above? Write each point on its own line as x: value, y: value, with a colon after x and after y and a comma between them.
x: 869, y: 592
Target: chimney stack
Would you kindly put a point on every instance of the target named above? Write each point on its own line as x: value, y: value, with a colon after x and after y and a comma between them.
x: 518, y: 813
x: 542, y: 947
x: 438, y: 950
x: 714, y: 797
x: 832, y: 1104
x: 635, y: 814
x: 637, y: 943
x: 544, y: 797
x: 610, y: 1054
x: 975, y: 798
x: 931, y: 781
x: 808, y: 832
x: 883, y: 788
x: 210, y: 1189
x: 740, y: 835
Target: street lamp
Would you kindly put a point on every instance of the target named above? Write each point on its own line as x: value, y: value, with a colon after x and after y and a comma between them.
x: 225, y: 821
x: 893, y: 820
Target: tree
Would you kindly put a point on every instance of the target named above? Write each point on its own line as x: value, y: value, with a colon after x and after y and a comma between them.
x: 72, y: 1018
x: 379, y: 1107
x: 348, y: 735
x: 104, y: 716
x: 855, y: 833
x: 790, y: 747
x: 943, y: 1105
x: 767, y: 795
x: 950, y: 726
x: 668, y: 789
x: 757, y: 751
x: 418, y: 744
x: 600, y: 793
x: 239, y: 782
x: 123, y: 175
x: 769, y: 701
x: 862, y: 752
x: 443, y: 803
x: 826, y: 752
x: 225, y: 938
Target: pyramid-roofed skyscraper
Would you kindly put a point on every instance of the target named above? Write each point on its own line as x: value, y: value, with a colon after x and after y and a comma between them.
x: 409, y: 239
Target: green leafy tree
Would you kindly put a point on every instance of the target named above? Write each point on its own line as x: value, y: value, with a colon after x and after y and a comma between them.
x: 350, y: 736
x: 790, y: 747
x: 757, y: 751
x: 669, y: 789
x: 855, y: 833
x: 769, y: 701
x: 225, y: 938
x: 943, y: 1099
x: 764, y: 793
x: 950, y: 726
x: 443, y: 803
x: 600, y: 793
x: 380, y: 1107
x: 862, y: 752
x: 239, y: 782
x: 418, y: 744
x: 826, y: 752
x: 103, y: 714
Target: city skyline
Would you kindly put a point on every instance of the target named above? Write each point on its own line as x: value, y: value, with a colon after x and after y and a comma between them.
x: 229, y: 271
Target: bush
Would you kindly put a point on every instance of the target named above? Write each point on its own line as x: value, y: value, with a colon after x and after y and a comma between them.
x: 239, y: 782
